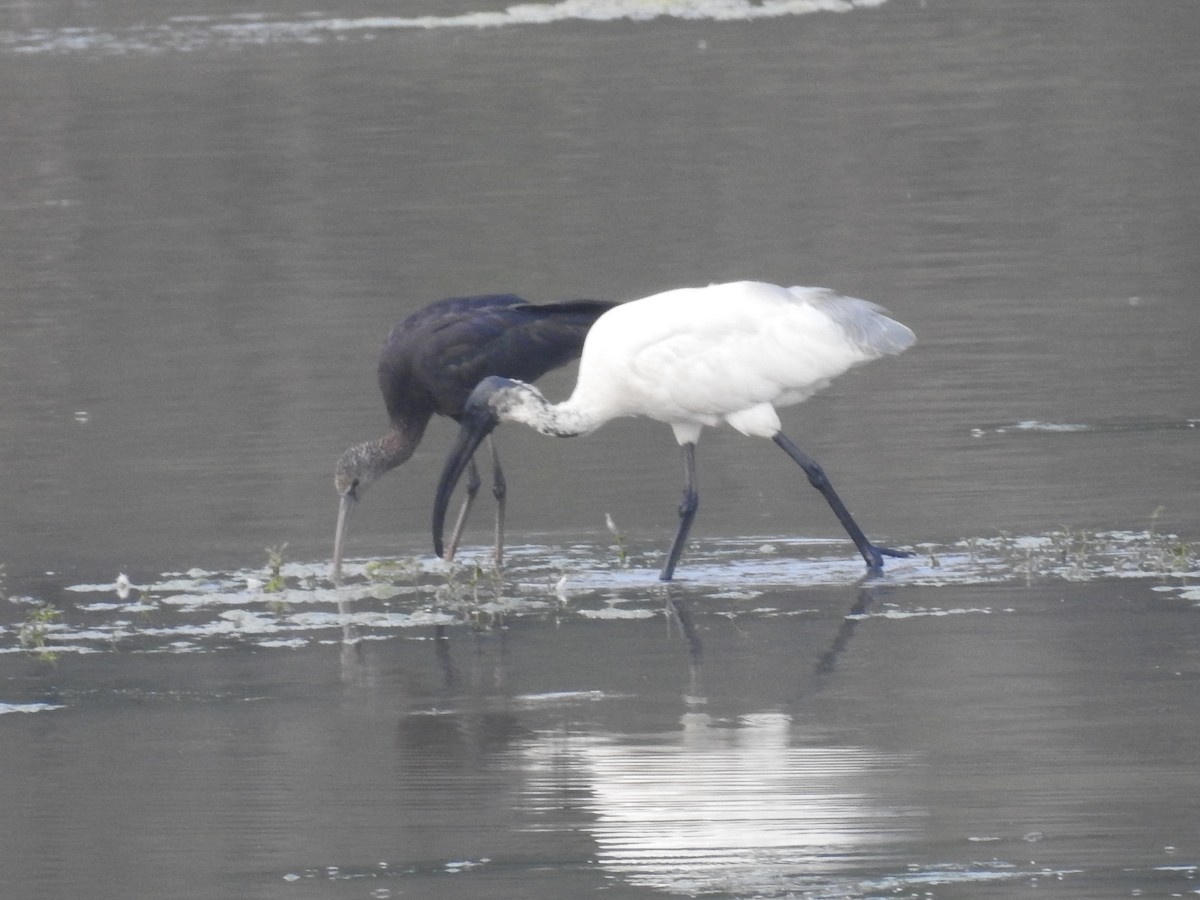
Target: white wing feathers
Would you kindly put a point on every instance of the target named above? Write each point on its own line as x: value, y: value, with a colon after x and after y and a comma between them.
x: 695, y: 356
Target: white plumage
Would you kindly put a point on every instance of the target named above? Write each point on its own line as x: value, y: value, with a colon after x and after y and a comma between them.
x: 693, y: 357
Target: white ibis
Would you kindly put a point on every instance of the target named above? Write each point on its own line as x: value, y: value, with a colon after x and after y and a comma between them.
x: 432, y: 360
x: 693, y: 357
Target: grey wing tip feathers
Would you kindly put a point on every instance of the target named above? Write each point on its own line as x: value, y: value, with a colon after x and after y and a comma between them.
x: 867, y: 324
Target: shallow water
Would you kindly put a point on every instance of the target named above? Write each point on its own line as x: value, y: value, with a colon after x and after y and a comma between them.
x: 211, y: 215
x: 988, y: 719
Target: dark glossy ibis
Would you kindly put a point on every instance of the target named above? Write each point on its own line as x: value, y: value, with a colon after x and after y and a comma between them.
x: 432, y: 360
x: 694, y: 357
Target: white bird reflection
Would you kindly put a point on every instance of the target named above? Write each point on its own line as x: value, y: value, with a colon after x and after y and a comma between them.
x: 736, y: 807
x: 748, y: 805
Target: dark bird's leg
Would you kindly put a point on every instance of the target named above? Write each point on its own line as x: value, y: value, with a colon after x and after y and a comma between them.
x: 818, y: 479
x: 500, y: 492
x: 687, y: 510
x: 473, y: 483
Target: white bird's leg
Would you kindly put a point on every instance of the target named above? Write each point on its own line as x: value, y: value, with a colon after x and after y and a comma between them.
x: 500, y: 492
x: 818, y: 479
x: 687, y: 510
x: 473, y: 483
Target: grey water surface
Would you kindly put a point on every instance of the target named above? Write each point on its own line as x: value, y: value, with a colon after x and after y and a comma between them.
x: 210, y: 215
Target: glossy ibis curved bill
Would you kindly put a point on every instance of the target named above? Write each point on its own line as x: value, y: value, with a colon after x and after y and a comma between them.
x: 429, y: 364
x: 694, y: 357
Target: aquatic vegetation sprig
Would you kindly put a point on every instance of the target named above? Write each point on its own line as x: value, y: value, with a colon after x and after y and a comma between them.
x: 392, y: 570
x: 466, y: 592
x: 475, y: 580
x: 275, y: 582
x: 455, y: 589
x: 37, y: 625
x: 618, y: 541
x: 1171, y: 555
x: 1074, y: 549
x: 1078, y: 554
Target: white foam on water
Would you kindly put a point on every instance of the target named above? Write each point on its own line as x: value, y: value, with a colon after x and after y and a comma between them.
x: 190, y: 33
x: 1036, y: 426
x: 6, y: 708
